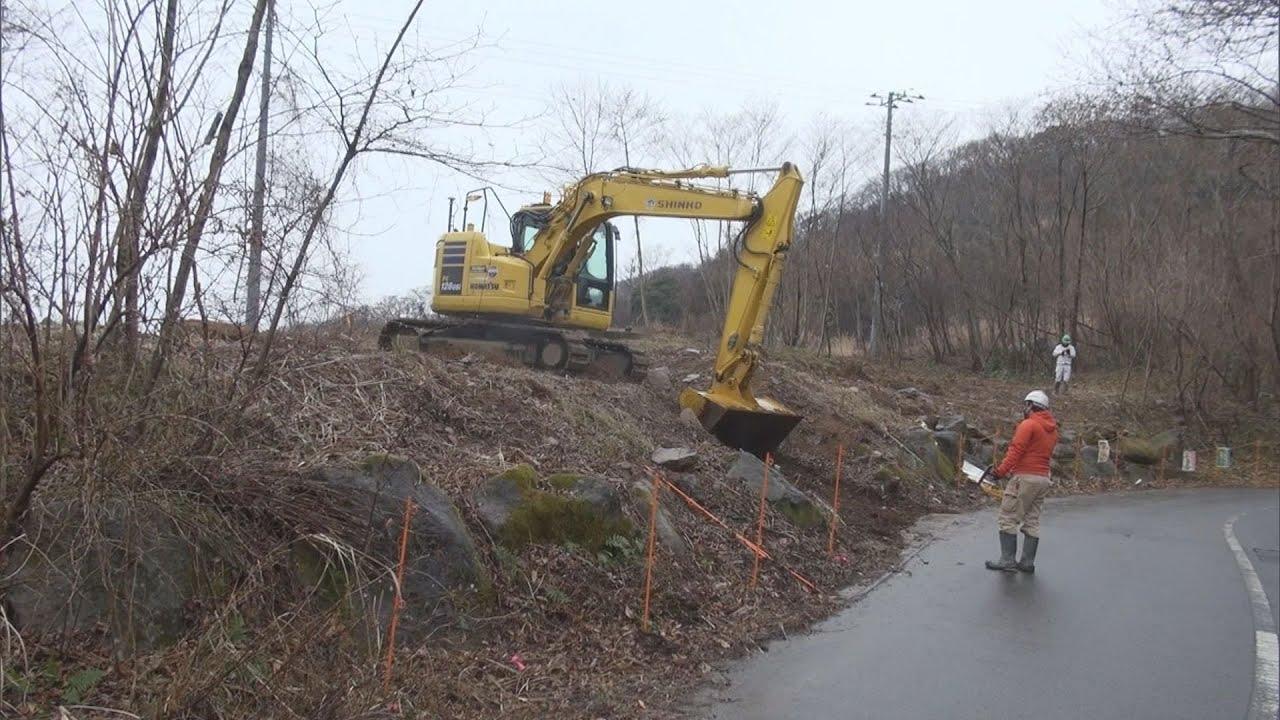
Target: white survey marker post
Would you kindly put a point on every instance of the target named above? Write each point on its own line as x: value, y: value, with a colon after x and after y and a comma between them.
x: 1104, y: 451
x: 1189, y: 461
x: 1224, y: 457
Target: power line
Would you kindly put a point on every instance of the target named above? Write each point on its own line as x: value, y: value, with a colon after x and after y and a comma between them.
x: 559, y: 56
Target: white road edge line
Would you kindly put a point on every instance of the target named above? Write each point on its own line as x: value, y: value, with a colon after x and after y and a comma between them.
x: 1264, y: 704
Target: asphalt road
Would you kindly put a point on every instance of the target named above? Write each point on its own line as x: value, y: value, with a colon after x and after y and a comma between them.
x: 1137, y: 610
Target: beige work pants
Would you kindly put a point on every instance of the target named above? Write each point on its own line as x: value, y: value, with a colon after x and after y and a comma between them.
x: 1023, y: 496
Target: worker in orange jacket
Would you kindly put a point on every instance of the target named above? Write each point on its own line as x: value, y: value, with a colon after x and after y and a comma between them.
x: 1026, y: 464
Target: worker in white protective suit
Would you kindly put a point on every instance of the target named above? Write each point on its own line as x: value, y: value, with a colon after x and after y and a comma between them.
x: 1064, y: 354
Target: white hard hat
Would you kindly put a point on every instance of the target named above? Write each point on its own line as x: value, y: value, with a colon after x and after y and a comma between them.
x: 1037, y: 397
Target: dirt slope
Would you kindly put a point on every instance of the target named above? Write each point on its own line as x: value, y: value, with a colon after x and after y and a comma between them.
x: 562, y: 637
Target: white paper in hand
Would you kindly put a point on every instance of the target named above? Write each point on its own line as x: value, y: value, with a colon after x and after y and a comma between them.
x: 973, y: 472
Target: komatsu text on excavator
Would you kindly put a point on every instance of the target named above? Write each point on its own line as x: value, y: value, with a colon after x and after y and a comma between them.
x: 548, y: 298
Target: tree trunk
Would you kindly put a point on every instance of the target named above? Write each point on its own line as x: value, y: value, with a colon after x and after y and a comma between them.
x: 129, y: 230
x: 177, y: 293
x: 317, y: 214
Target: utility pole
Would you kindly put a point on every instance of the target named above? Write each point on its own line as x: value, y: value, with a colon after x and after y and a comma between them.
x: 888, y: 102
x: 253, y: 282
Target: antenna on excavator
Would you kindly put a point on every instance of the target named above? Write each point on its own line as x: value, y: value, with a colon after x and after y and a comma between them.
x: 449, y: 225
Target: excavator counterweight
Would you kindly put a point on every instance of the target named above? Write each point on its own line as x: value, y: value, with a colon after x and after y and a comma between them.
x: 548, y: 298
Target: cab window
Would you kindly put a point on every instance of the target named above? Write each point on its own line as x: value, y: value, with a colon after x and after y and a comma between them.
x: 595, y: 279
x: 525, y: 226
x: 530, y: 235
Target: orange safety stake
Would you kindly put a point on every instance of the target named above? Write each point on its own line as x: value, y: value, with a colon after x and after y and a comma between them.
x: 835, y: 502
x: 764, y: 493
x: 650, y: 548
x: 399, y: 601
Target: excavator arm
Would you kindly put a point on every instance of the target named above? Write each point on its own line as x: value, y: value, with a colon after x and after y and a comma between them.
x: 728, y: 409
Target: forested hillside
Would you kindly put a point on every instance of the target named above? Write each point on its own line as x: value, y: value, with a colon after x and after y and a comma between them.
x: 1156, y: 250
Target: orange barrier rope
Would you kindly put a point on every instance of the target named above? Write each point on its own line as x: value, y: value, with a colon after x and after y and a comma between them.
x: 710, y: 516
x: 650, y: 549
x: 399, y: 601
x: 835, y: 502
x: 806, y: 582
x: 764, y: 493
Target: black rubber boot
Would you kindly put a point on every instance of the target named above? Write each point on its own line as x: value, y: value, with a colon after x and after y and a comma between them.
x: 1008, y: 554
x: 1028, y: 562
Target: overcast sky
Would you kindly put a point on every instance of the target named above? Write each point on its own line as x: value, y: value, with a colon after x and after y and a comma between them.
x: 971, y: 60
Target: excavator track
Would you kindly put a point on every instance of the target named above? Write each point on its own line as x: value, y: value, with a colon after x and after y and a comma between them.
x: 541, y: 346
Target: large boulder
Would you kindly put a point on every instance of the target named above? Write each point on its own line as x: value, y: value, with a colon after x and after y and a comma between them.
x: 689, y: 419
x: 1149, y: 451
x: 518, y: 509
x: 659, y: 378
x: 928, y: 456
x: 1169, y: 445
x: 786, y: 498
x: 129, y: 567
x: 914, y: 399
x: 442, y: 565
x: 912, y: 393
x: 688, y: 485
x: 1141, y: 451
x: 1091, y: 468
x: 952, y: 423
x: 1064, y: 451
x: 979, y: 452
x: 1137, y: 450
x: 669, y: 537
x: 679, y: 459
x: 948, y: 442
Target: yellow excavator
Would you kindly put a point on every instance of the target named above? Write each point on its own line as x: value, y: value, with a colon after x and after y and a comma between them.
x: 548, y: 297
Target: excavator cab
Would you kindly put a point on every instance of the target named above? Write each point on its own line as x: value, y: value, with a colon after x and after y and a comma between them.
x: 594, y: 285
x: 594, y: 291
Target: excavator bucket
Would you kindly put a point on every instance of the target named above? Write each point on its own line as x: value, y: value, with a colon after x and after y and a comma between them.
x: 757, y: 431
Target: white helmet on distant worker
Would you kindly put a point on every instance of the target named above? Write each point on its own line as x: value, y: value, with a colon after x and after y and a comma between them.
x: 1038, y: 398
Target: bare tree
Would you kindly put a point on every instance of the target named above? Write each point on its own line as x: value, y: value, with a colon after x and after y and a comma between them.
x: 356, y: 143
x: 204, y: 206
x: 1205, y: 68
x: 125, y: 178
x: 635, y: 118
x: 583, y: 130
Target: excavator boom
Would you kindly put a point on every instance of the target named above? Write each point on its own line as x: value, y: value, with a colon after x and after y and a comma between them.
x: 728, y: 409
